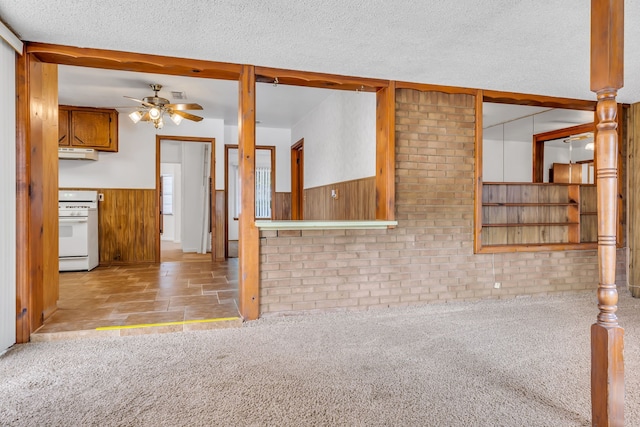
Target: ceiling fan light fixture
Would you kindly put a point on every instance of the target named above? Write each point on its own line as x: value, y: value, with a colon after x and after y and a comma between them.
x: 136, y: 116
x: 155, y: 113
x: 154, y: 108
x: 177, y: 119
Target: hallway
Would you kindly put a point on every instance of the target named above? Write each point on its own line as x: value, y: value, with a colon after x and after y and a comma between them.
x: 189, y: 294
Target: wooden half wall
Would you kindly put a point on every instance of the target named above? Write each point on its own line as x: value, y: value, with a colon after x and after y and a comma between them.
x: 127, y: 225
x: 347, y: 200
x: 282, y: 207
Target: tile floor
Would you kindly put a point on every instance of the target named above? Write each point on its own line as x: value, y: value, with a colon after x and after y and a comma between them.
x: 124, y: 300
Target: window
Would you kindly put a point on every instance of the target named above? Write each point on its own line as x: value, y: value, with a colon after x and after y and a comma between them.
x: 263, y: 193
x: 167, y: 194
x: 264, y: 176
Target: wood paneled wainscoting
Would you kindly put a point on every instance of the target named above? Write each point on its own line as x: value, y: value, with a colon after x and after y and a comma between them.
x: 282, y: 209
x: 127, y: 225
x: 347, y: 200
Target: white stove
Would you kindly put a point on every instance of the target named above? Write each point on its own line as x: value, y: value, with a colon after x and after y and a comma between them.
x: 78, y: 220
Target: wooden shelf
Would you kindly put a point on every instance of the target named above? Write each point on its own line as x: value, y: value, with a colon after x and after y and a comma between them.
x: 531, y: 204
x: 537, y: 247
x: 531, y: 224
x: 522, y: 216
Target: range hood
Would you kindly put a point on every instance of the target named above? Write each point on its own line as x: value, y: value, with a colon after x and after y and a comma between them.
x: 77, y: 153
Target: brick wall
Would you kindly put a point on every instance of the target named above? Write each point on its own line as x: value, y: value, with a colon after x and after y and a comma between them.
x: 429, y: 256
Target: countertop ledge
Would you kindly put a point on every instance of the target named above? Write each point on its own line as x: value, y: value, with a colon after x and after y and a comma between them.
x: 324, y: 225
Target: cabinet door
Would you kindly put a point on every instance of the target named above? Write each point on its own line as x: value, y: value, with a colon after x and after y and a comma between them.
x: 91, y: 129
x: 63, y: 128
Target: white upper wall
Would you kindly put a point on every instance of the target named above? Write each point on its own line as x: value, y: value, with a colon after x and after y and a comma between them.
x: 133, y: 166
x: 339, y: 139
x: 275, y: 137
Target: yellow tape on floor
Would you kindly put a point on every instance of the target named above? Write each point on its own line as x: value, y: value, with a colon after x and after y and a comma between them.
x: 149, y: 325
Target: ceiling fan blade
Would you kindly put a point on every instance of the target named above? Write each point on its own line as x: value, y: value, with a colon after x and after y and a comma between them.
x: 182, y: 107
x: 145, y: 117
x: 187, y: 115
x: 146, y: 104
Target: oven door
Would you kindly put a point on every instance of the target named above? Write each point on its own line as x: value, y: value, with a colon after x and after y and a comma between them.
x: 73, y: 237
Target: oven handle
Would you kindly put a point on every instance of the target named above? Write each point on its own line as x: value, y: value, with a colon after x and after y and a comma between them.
x: 70, y: 220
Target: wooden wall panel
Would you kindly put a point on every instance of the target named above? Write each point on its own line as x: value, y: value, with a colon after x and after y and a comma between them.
x: 43, y: 97
x: 356, y: 200
x: 126, y: 225
x: 50, y: 238
x: 145, y: 243
x: 282, y: 210
x: 633, y: 210
x: 220, y: 218
x: 314, y: 203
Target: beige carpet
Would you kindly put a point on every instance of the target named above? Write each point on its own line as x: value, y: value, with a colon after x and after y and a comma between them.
x: 522, y: 362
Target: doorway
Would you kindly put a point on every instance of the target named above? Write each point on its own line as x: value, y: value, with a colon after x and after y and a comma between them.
x: 297, y: 180
x: 186, y: 204
x: 265, y: 177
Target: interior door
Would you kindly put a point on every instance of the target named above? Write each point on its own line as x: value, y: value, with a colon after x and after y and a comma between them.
x: 297, y: 180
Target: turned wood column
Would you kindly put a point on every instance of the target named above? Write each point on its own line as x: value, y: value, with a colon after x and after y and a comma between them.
x: 607, y: 337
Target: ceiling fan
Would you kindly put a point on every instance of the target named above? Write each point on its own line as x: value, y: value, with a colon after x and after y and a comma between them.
x: 154, y: 107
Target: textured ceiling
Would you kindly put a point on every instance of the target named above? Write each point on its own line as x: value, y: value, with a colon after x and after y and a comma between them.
x: 539, y: 47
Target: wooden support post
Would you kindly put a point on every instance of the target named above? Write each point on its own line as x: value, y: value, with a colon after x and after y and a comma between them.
x: 249, y: 239
x: 386, y: 152
x: 23, y: 202
x: 607, y: 337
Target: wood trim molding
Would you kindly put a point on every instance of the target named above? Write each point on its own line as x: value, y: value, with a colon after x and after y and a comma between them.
x: 297, y: 186
x: 424, y: 87
x: 537, y: 100
x: 477, y: 176
x: 540, y: 138
x: 118, y: 60
x: 564, y: 132
x: 319, y: 80
x: 23, y: 203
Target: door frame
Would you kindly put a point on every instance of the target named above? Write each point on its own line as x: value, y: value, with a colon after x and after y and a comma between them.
x: 227, y: 148
x: 297, y: 180
x: 212, y: 197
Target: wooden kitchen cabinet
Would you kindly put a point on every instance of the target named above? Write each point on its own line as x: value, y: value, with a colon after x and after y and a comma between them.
x: 84, y: 127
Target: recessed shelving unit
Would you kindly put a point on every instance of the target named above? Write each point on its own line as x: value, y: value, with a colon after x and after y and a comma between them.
x: 537, y: 214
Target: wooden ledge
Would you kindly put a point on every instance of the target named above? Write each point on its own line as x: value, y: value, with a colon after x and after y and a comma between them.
x: 542, y: 247
x: 325, y: 225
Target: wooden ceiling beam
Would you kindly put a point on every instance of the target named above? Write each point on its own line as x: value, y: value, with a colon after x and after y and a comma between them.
x: 127, y: 61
